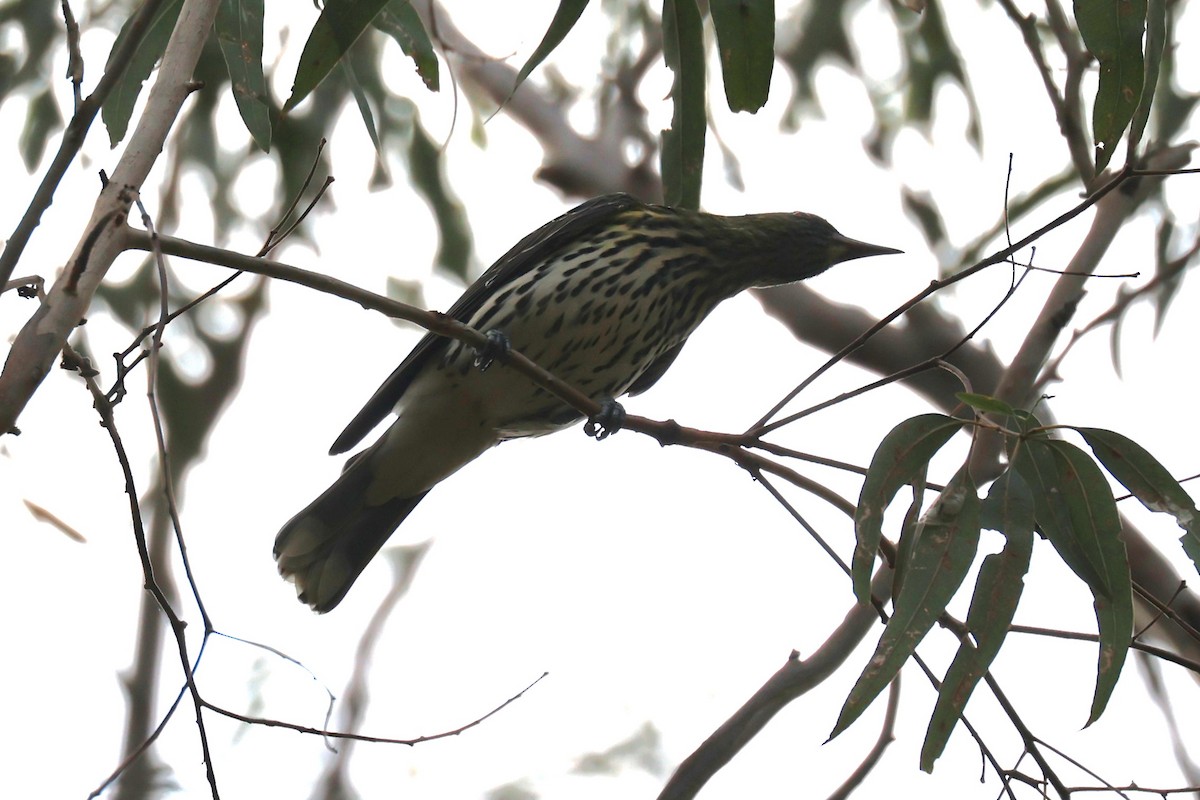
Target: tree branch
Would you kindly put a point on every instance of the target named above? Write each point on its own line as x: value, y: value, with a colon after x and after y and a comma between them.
x: 40, y: 341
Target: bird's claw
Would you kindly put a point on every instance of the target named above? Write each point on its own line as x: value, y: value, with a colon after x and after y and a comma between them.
x: 497, y: 346
x: 607, y: 422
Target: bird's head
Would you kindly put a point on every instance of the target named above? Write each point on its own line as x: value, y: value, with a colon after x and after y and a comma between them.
x: 798, y: 245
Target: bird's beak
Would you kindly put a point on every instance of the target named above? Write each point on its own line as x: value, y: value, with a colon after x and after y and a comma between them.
x: 846, y: 249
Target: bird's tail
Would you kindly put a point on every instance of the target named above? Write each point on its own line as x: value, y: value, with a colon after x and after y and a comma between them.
x: 324, y: 548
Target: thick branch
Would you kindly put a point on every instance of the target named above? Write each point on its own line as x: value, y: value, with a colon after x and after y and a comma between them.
x: 796, y: 677
x: 42, y: 338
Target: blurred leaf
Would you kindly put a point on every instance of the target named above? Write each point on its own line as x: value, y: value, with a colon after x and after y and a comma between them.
x: 39, y: 29
x: 746, y: 43
x: 1168, y: 270
x: 1112, y: 31
x: 1008, y: 508
x: 1076, y: 511
x: 41, y: 119
x: 901, y: 458
x: 1156, y: 31
x: 819, y: 34
x: 401, y: 21
x: 565, y: 17
x: 411, y: 292
x: 1149, y: 481
x: 240, y: 33
x: 683, y: 144
x: 426, y: 166
x: 946, y: 542
x: 729, y: 160
x: 336, y: 30
x: 1172, y: 109
x: 931, y: 58
x: 922, y: 208
x: 118, y: 106
x: 642, y: 749
x: 986, y: 403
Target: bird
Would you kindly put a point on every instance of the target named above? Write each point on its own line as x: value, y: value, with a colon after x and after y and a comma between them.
x: 604, y: 297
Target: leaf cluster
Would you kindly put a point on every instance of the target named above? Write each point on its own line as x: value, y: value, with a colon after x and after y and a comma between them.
x: 1050, y: 487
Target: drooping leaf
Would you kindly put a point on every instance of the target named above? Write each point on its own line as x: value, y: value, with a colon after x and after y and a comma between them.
x: 565, y: 17
x: 746, y: 42
x: 364, y: 109
x: 683, y: 143
x: 1102, y: 538
x: 901, y: 457
x: 336, y: 30
x: 1007, y: 508
x: 1156, y: 32
x: 239, y: 29
x: 1058, y: 504
x: 401, y: 21
x: 1075, y: 509
x: 1149, y: 481
x: 941, y: 556
x: 118, y: 106
x: 1112, y: 31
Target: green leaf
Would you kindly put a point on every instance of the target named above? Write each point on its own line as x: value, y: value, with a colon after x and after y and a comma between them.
x: 900, y: 459
x: 41, y: 118
x: 985, y: 403
x: 1112, y: 31
x: 401, y: 21
x: 1008, y: 508
x: 746, y: 42
x: 1075, y: 509
x: 1148, y: 481
x: 240, y: 34
x: 336, y: 30
x: 118, y: 106
x: 565, y: 17
x: 910, y: 531
x: 947, y: 540
x: 1059, y: 505
x: 683, y: 143
x: 364, y: 109
x: 1156, y: 34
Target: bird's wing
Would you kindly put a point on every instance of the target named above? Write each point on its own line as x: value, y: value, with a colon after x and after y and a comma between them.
x: 526, y: 254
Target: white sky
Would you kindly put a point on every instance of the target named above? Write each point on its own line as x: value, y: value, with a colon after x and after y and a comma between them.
x: 653, y: 584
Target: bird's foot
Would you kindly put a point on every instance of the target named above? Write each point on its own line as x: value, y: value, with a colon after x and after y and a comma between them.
x: 497, y: 346
x: 607, y: 422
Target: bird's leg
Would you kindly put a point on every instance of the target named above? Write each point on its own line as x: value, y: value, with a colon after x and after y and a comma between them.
x: 607, y: 422
x: 497, y: 346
